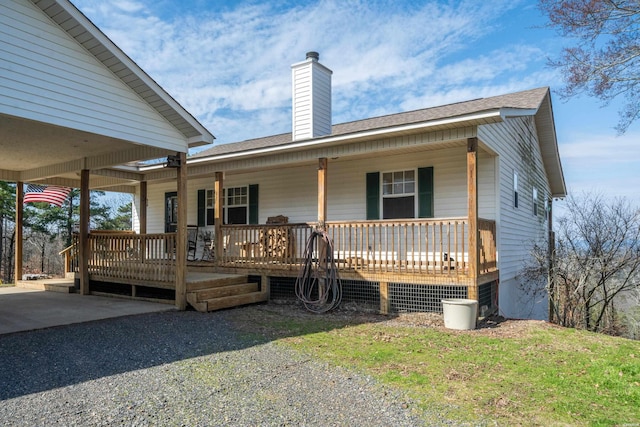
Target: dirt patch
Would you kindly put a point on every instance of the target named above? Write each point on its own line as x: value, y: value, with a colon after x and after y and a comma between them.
x: 262, y: 315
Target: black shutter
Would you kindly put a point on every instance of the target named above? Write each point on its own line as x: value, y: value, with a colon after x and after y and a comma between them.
x: 425, y: 192
x: 202, y: 208
x: 253, y: 204
x: 373, y: 195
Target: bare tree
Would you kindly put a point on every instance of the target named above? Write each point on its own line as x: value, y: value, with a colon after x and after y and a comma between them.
x: 596, y: 261
x: 605, y: 60
x: 632, y: 315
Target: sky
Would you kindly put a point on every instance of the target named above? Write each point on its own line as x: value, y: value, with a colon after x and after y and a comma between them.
x: 228, y: 63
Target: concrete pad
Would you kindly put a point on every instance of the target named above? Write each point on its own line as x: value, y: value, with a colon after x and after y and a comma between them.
x: 28, y: 309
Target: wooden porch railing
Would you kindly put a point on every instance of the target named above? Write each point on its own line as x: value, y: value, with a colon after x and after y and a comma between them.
x: 409, y: 246
x: 265, y: 245
x: 71, y: 256
x: 435, y: 246
x: 487, y: 246
x: 133, y: 257
x: 127, y: 257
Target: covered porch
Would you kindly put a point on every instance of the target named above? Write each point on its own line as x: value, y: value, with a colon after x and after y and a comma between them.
x: 458, y: 253
x: 256, y: 262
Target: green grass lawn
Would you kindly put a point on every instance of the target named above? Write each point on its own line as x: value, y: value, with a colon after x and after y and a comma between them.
x: 535, y: 374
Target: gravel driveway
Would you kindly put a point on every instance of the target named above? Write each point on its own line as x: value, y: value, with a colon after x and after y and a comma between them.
x: 180, y: 368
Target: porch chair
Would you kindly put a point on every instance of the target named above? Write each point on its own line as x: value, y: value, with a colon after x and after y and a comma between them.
x: 209, y: 245
x: 192, y: 242
x: 208, y: 248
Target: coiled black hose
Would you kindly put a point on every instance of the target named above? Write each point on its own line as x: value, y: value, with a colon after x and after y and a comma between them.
x: 318, y: 285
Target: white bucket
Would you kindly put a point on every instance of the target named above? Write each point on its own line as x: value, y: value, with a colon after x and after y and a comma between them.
x: 460, y: 313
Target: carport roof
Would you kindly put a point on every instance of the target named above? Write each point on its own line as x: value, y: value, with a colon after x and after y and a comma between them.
x: 36, y: 150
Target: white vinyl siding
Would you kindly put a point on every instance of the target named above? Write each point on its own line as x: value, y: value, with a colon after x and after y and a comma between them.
x: 48, y: 77
x: 516, y: 143
x: 292, y: 191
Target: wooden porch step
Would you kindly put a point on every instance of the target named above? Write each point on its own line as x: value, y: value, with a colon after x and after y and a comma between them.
x: 236, y: 300
x: 226, y: 291
x: 66, y: 286
x: 197, y: 281
x: 227, y: 296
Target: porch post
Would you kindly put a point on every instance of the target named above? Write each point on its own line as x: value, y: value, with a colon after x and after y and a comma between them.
x: 19, y: 241
x: 472, y: 203
x: 322, y: 191
x: 218, y: 217
x: 181, y: 236
x: 322, y: 218
x: 142, y: 213
x: 83, y: 233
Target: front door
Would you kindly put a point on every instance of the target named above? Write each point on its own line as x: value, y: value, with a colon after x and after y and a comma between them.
x: 170, y: 212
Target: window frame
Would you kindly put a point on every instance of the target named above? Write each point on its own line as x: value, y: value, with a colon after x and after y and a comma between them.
x: 210, y: 204
x: 393, y: 195
x: 209, y: 208
x: 515, y: 189
x: 226, y: 206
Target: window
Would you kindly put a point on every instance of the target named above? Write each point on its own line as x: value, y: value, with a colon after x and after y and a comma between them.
x: 239, y: 205
x: 170, y: 212
x: 236, y: 205
x: 547, y: 209
x: 515, y: 189
x: 398, y: 194
x: 210, y: 204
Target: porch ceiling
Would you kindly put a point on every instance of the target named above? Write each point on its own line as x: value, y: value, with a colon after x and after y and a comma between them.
x: 35, y: 151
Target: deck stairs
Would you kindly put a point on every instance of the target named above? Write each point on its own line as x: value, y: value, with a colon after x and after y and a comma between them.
x: 64, y: 285
x: 215, y: 291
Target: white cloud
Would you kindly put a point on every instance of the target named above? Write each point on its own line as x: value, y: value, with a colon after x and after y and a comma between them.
x: 592, y: 150
x: 231, y: 69
x: 603, y: 163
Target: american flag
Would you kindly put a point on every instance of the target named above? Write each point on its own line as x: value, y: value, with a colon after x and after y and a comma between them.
x: 47, y: 194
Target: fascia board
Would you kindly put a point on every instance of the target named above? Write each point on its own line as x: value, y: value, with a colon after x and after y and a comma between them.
x: 384, y: 132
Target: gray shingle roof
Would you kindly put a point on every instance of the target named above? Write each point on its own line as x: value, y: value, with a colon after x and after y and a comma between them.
x: 529, y: 99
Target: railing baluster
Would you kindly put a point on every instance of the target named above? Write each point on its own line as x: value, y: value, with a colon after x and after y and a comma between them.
x: 381, y: 246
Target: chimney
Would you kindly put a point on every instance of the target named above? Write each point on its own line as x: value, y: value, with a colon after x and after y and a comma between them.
x: 311, y: 95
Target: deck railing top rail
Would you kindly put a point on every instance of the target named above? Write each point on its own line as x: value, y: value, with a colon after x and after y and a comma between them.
x: 408, y: 246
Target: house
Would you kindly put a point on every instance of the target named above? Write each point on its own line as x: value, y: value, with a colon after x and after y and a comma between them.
x: 420, y: 205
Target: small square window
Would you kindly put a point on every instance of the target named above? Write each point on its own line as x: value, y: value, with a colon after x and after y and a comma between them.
x: 515, y: 189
